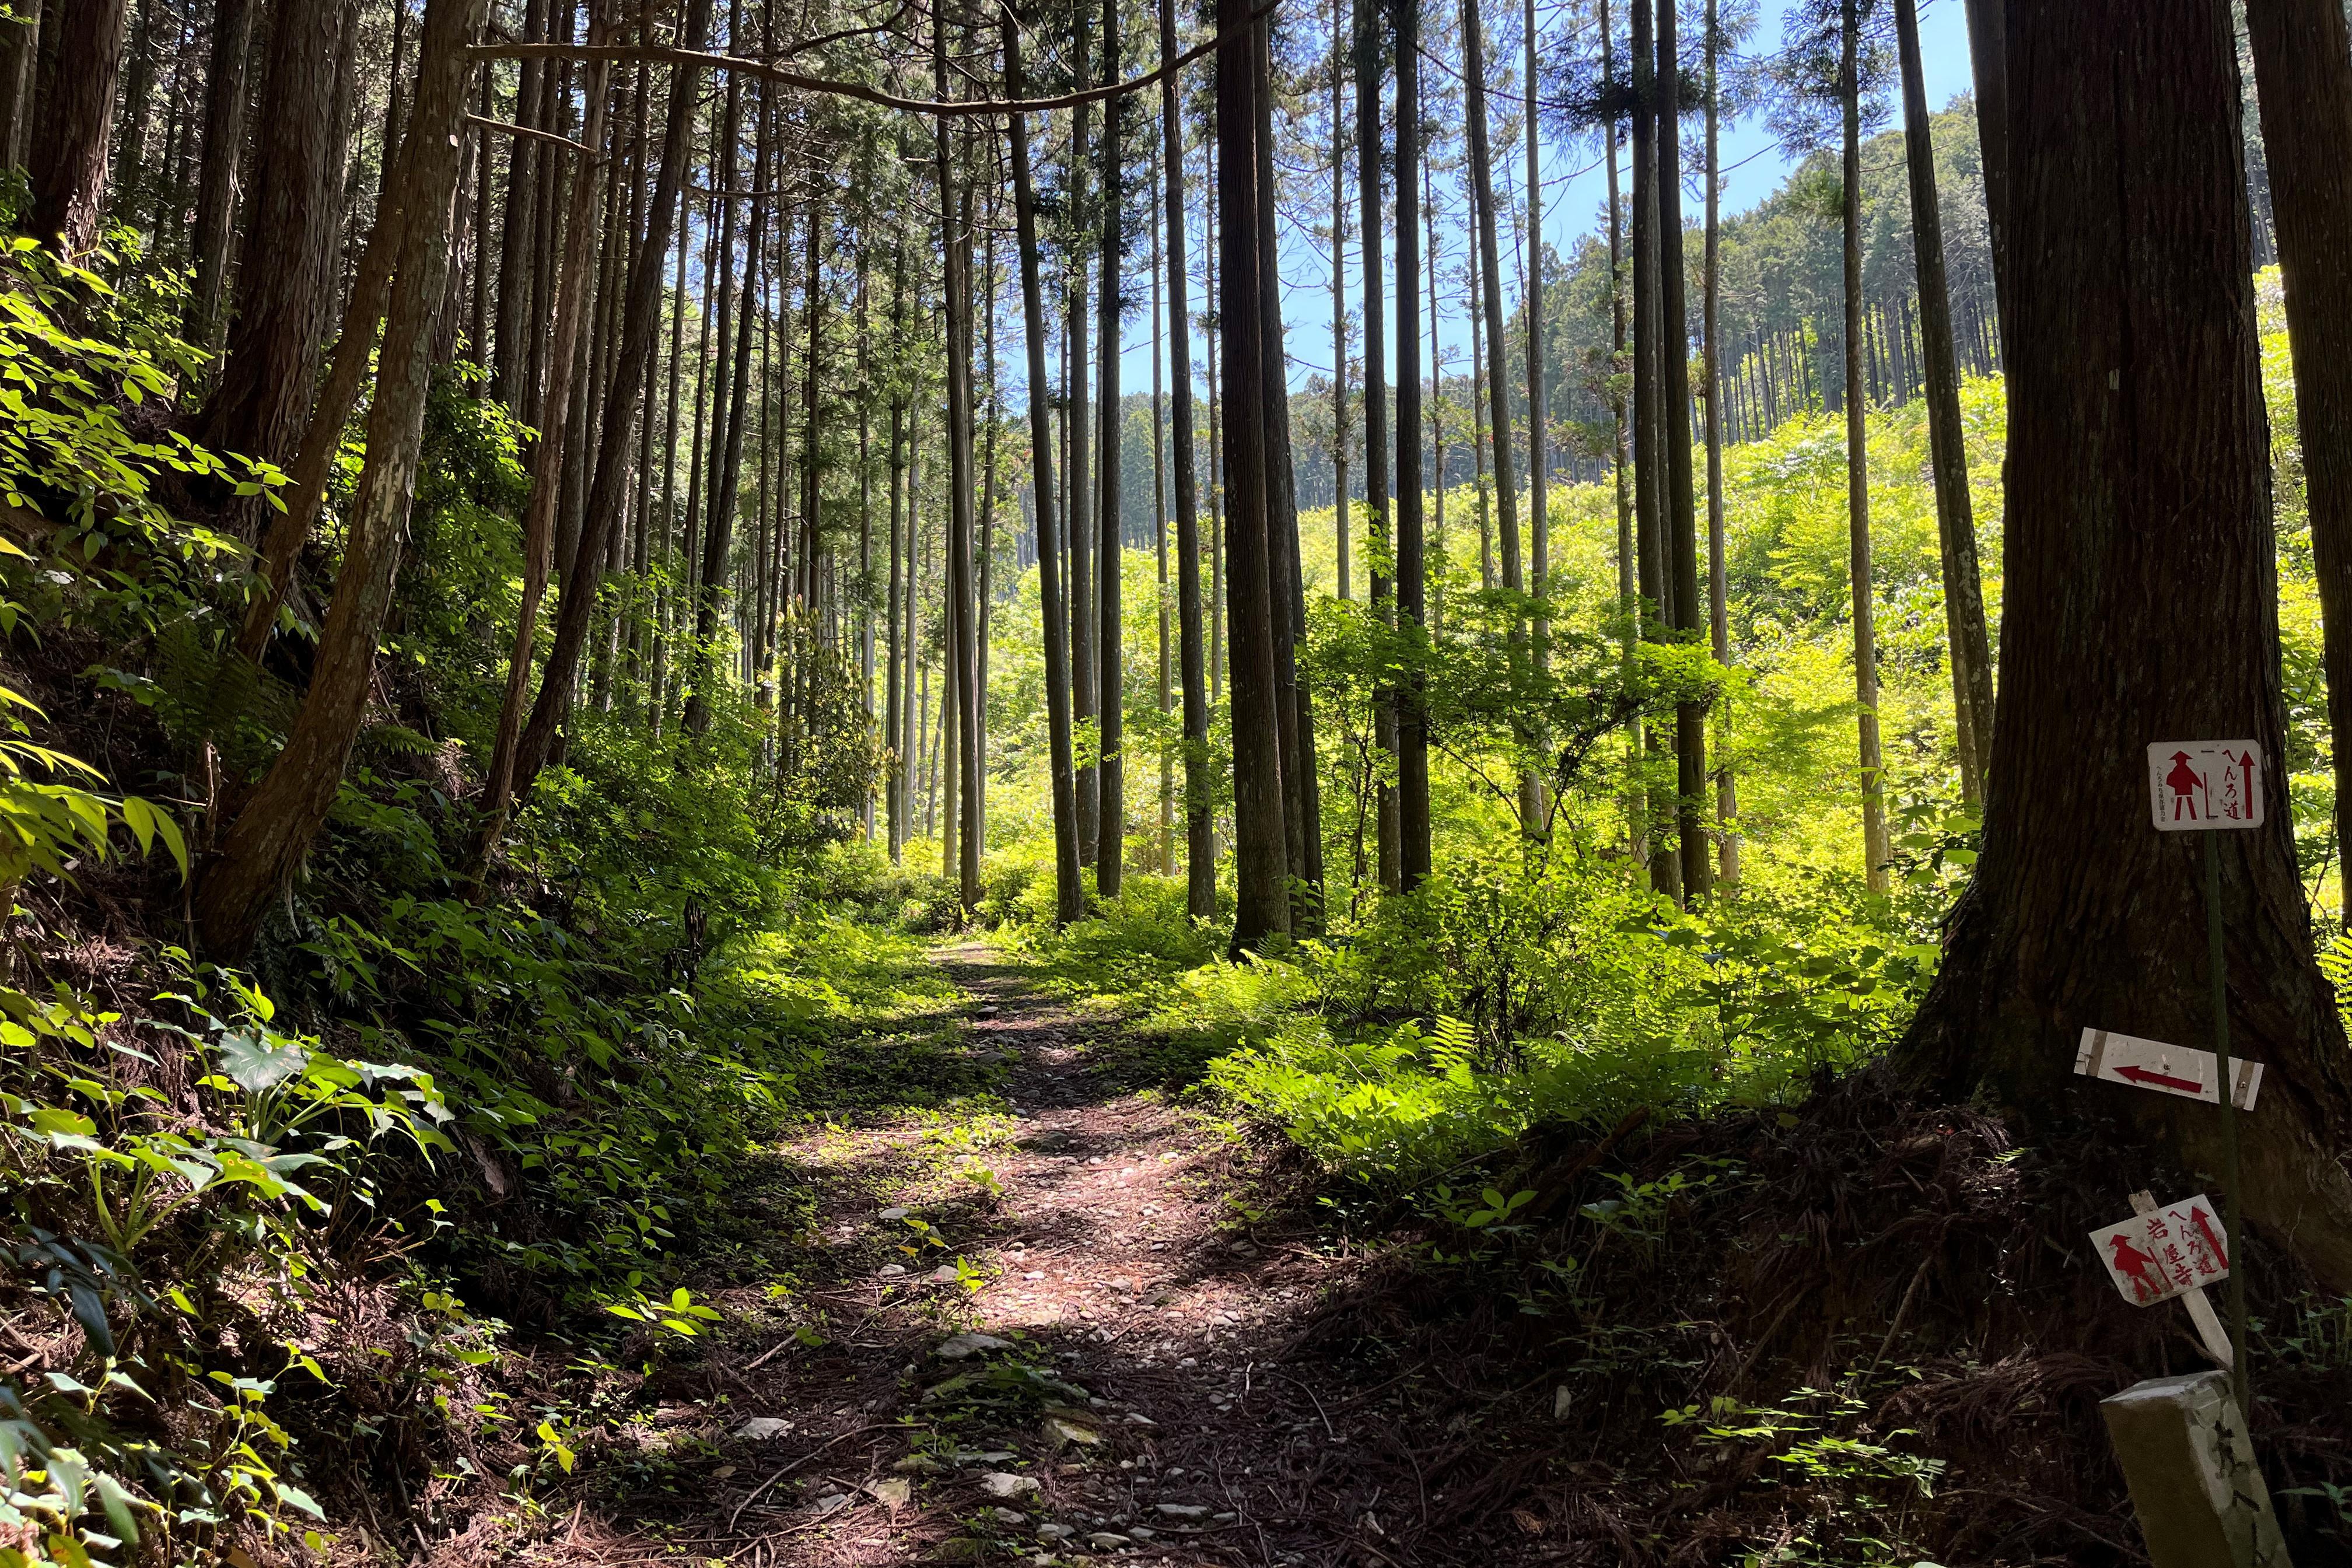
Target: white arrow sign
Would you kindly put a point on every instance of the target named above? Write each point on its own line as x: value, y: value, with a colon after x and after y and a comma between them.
x: 2167, y: 1070
x: 2197, y: 785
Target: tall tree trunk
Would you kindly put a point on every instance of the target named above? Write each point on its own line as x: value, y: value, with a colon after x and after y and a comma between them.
x: 322, y: 434
x: 640, y: 321
x: 1964, y: 611
x: 1499, y: 381
x: 1532, y: 789
x: 956, y: 221
x: 2129, y: 195
x: 137, y: 93
x: 1111, y: 787
x: 1436, y: 381
x: 286, y: 286
x: 1342, y: 513
x: 20, y: 57
x: 1874, y: 845
x: 895, y: 693
x: 865, y: 516
x: 1199, y: 839
x: 1650, y: 507
x: 907, y: 749
x: 1629, y: 585
x: 1070, y: 896
x: 984, y: 573
x: 1261, y: 868
x: 1294, y: 714
x: 515, y: 240
x: 1369, y: 175
x: 273, y: 833
x: 1988, y: 62
x: 726, y: 408
x: 1166, y: 861
x: 1413, y: 721
x: 1479, y: 392
x: 72, y: 133
x: 478, y: 324
x: 569, y: 332
x: 1727, y: 792
x: 225, y: 96
x: 2306, y: 93
x: 1086, y: 680
x: 1674, y: 354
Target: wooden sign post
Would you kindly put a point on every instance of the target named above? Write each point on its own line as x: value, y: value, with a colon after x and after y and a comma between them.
x: 2205, y: 787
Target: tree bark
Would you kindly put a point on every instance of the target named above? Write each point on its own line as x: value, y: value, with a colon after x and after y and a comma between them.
x: 568, y: 332
x: 1988, y: 62
x: 1199, y: 838
x: 1622, y: 458
x: 1078, y: 451
x: 2305, y: 94
x: 955, y: 222
x: 1499, y: 381
x: 267, y: 843
x: 1167, y: 688
x: 1110, y: 786
x: 72, y: 134
x: 1964, y: 612
x: 1343, y: 512
x: 1532, y: 789
x: 640, y: 320
x: 1652, y: 526
x: 1260, y: 870
x: 515, y: 232
x: 725, y: 410
x: 1294, y: 714
x: 286, y: 286
x: 1377, y: 465
x: 1874, y: 847
x: 225, y: 96
x: 20, y: 57
x: 1413, y: 827
x: 2141, y: 604
x: 1682, y: 522
x: 323, y: 433
x: 1727, y: 792
x: 1069, y: 895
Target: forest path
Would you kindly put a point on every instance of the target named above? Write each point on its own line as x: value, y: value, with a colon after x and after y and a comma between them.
x: 1135, y: 1393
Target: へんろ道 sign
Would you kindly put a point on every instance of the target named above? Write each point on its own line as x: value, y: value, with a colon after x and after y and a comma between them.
x: 2202, y: 785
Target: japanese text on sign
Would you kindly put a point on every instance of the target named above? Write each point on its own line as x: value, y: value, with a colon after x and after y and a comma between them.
x: 2155, y: 1257
x: 2202, y: 785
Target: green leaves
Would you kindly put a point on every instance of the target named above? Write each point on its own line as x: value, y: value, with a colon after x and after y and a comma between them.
x: 253, y: 1064
x: 681, y: 1314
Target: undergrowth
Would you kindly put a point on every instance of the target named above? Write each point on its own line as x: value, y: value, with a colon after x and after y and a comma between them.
x: 1512, y: 992
x: 286, y: 1239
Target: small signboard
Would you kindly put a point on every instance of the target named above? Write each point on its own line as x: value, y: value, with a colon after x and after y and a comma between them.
x: 2199, y: 786
x: 2166, y: 1252
x: 2167, y: 1070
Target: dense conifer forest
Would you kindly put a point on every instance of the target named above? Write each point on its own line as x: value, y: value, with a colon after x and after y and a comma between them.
x: 1302, y: 783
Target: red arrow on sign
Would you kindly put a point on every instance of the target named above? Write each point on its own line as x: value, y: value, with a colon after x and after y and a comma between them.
x: 2205, y: 1222
x: 2160, y: 1080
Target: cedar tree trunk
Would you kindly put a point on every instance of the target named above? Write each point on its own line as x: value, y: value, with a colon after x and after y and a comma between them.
x: 2141, y: 605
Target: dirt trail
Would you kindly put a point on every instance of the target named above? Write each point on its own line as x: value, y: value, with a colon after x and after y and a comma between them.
x: 1139, y: 1393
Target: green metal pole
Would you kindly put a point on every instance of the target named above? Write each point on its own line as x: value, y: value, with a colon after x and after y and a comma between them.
x: 2218, y: 966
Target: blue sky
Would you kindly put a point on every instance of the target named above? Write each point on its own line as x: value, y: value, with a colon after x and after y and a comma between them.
x: 1575, y: 198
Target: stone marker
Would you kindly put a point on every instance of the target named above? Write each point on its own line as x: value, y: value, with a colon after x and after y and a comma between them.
x: 2194, y: 1483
